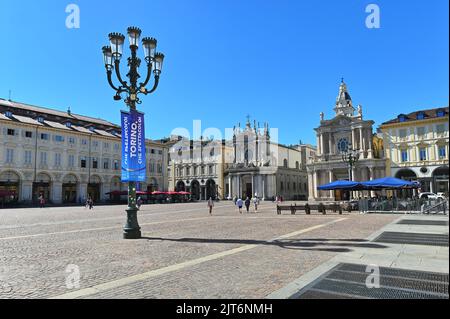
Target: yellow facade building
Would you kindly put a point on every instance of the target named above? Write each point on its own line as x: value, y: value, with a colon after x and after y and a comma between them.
x: 416, y: 147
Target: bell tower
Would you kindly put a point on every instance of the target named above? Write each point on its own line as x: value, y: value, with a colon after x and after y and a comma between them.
x: 344, y: 105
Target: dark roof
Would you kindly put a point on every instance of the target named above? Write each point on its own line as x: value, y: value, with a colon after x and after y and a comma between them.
x: 32, y: 111
x: 427, y: 114
x: 26, y: 113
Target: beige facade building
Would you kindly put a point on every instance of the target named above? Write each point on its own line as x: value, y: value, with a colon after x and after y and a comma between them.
x: 335, y: 136
x: 66, y: 156
x: 416, y: 147
x: 250, y: 164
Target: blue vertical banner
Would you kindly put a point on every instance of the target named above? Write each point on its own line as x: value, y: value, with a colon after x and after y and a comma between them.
x: 133, y: 147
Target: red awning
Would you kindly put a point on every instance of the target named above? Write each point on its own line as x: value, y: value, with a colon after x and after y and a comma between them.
x: 119, y: 193
x: 7, y: 193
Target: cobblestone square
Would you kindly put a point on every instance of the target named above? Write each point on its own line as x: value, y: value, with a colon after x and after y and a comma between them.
x: 184, y: 252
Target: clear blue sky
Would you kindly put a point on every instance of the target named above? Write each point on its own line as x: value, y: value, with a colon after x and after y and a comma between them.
x: 279, y: 61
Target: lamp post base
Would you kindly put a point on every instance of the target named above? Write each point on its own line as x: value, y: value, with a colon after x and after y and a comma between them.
x: 131, y: 230
x: 132, y: 234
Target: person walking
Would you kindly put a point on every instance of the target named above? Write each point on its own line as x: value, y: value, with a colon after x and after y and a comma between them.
x: 210, y: 205
x: 139, y: 202
x: 89, y: 202
x: 256, y: 202
x: 239, y: 203
x: 247, y: 204
x: 41, y: 201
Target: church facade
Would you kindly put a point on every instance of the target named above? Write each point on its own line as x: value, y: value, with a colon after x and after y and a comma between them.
x: 345, y: 131
x: 250, y: 163
x: 263, y: 168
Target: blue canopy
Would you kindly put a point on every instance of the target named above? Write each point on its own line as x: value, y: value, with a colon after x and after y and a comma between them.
x: 340, y: 185
x: 389, y: 183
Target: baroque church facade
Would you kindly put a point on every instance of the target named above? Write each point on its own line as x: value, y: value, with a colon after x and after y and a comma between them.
x: 264, y: 168
x: 345, y: 131
x: 250, y: 163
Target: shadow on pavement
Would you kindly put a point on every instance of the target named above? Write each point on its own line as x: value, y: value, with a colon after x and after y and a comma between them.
x: 321, y: 244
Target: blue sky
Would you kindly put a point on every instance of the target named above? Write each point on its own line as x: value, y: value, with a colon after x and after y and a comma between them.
x: 279, y: 61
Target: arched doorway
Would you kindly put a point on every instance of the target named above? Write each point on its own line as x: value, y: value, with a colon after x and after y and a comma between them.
x: 153, y: 186
x: 440, y: 180
x: 195, y: 190
x: 94, y: 186
x: 211, y: 191
x: 246, y: 186
x: 409, y: 175
x: 69, y: 188
x: 181, y: 187
x: 115, y: 187
x: 42, y: 186
x: 9, y: 187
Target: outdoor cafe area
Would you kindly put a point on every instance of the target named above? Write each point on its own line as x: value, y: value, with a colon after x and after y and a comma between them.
x: 387, y: 194
x: 156, y: 197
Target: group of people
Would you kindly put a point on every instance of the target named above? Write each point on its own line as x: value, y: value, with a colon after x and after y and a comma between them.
x: 239, y: 203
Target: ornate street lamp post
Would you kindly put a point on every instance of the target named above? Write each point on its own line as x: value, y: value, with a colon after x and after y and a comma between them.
x: 350, y: 156
x: 112, y: 55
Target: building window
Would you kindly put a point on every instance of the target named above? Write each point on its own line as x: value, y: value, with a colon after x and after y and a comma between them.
x: 404, y: 155
x: 71, y: 160
x: 282, y: 186
x: 106, y: 145
x: 45, y: 136
x: 152, y: 151
x: 28, y: 134
x: 160, y: 152
x: 27, y: 157
x: 95, y: 143
x: 40, y: 119
x: 440, y: 113
x: 402, y: 133
x: 285, y: 163
x: 9, y: 155
x: 105, y: 163
x: 297, y: 166
x: 203, y: 170
x: 423, y: 154
x: 440, y: 128
x: 188, y: 171
x: 94, y: 162
x: 83, y: 162
x: 159, y: 168
x: 59, y: 138
x: 401, y: 118
x: 116, y: 146
x: 421, y: 131
x: 71, y: 140
x: 11, y: 132
x: 83, y: 142
x: 57, y: 159
x: 68, y: 124
x: 420, y: 116
x: 210, y: 169
x: 442, y: 152
x: 8, y: 114
x: 43, y: 158
x: 152, y: 167
x: 116, y: 165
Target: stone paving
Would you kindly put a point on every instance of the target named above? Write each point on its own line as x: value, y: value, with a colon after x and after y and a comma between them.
x: 402, y: 256
x: 185, y: 253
